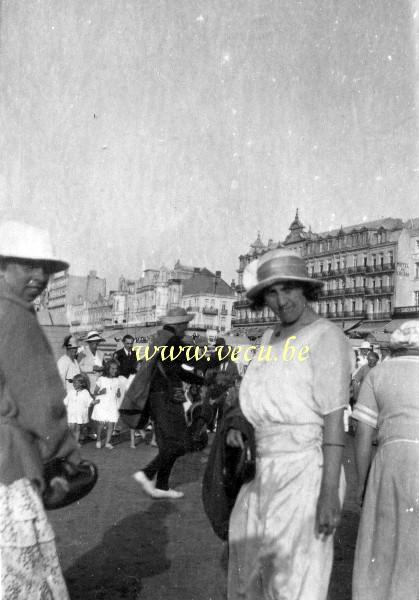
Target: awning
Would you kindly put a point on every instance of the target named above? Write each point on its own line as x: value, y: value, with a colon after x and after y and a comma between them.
x: 367, y: 327
x: 379, y: 337
x: 350, y: 325
x: 394, y: 324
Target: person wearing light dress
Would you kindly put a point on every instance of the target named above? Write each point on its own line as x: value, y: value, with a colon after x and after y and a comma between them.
x: 282, y: 525
x: 108, y: 392
x: 387, y: 550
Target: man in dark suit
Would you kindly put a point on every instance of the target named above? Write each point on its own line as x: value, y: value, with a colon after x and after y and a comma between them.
x: 126, y: 357
x: 166, y: 400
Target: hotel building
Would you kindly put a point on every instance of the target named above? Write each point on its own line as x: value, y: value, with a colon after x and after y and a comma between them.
x: 370, y: 272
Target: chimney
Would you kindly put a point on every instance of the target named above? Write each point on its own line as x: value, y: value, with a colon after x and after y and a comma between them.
x: 196, y: 270
x: 218, y: 274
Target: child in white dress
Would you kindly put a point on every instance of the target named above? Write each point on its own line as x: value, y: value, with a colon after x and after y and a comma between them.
x: 77, y: 403
x: 109, y: 396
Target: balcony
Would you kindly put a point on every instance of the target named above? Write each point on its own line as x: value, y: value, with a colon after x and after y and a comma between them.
x: 326, y: 274
x: 380, y: 268
x: 241, y: 303
x: 209, y: 310
x: 224, y: 311
x: 254, y: 321
x: 388, y: 266
x: 380, y: 291
x: 361, y: 268
x: 349, y: 291
x: 338, y: 292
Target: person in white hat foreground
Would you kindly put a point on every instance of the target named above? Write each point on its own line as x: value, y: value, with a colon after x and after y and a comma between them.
x: 166, y: 407
x: 33, y: 422
x: 387, y: 549
x: 282, y: 524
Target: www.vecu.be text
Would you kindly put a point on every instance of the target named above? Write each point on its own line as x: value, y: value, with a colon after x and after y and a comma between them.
x: 241, y: 354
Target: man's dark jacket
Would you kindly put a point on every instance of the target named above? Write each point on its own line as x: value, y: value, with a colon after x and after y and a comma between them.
x: 127, y: 364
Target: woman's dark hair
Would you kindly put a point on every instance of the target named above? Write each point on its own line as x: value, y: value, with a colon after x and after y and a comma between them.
x: 84, y: 380
x: 107, y: 366
x: 66, y: 340
x: 311, y: 293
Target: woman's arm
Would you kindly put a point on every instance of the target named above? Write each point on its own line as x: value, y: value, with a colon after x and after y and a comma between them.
x: 363, y: 441
x: 328, y: 505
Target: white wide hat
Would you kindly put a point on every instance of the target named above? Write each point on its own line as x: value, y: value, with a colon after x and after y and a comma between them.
x: 93, y: 336
x: 276, y: 266
x: 26, y: 242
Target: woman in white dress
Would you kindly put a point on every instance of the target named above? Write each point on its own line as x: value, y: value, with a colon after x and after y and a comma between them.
x: 67, y: 364
x: 294, y: 395
x: 106, y: 411
x: 387, y: 549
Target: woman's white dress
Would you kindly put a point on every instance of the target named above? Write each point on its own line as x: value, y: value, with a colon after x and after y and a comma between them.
x: 386, y: 565
x: 274, y: 552
x: 108, y: 407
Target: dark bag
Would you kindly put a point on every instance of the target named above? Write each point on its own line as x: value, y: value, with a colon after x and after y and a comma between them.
x: 78, y: 481
x: 218, y: 504
x: 134, y: 409
x: 227, y: 470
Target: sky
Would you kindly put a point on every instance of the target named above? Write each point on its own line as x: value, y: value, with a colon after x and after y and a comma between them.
x: 140, y: 132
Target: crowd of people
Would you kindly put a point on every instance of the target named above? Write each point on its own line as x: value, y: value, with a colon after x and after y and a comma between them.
x: 284, y: 518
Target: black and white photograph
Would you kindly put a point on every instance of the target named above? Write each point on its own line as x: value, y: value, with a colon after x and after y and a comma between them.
x: 209, y: 300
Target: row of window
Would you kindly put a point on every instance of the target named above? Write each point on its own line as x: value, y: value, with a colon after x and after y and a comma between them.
x: 353, y: 306
x: 355, y: 260
x: 352, y: 282
x: 350, y: 240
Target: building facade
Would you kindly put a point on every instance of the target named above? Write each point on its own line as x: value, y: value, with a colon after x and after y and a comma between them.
x: 370, y: 270
x: 65, y: 290
x: 211, y: 300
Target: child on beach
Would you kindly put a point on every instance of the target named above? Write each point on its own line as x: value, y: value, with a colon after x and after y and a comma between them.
x: 77, y: 402
x: 108, y: 393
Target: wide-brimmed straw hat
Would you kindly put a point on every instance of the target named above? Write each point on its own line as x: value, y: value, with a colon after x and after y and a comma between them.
x: 177, y: 315
x: 93, y: 336
x: 406, y: 336
x: 274, y: 267
x: 25, y: 242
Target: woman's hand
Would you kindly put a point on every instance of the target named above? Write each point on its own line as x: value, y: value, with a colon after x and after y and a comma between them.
x: 234, y: 438
x: 328, y: 513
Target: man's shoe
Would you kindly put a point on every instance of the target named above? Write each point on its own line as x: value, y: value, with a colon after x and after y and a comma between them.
x: 167, y: 494
x: 148, y: 486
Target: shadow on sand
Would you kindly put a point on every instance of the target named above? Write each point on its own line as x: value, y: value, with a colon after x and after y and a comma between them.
x: 131, y: 550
